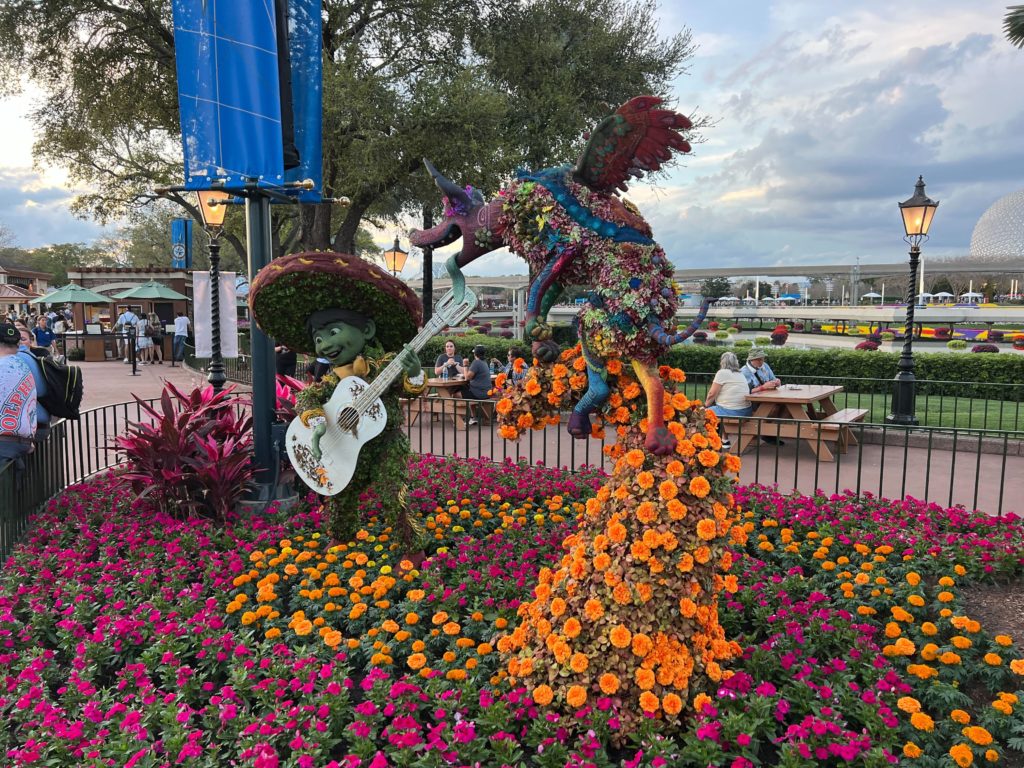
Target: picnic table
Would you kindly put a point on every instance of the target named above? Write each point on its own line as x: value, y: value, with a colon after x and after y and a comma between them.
x: 791, y: 405
x: 442, y: 389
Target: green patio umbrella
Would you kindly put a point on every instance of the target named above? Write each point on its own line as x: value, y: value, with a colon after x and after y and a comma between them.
x: 72, y: 294
x: 151, y: 291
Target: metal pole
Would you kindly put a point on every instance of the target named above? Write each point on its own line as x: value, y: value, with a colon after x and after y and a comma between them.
x: 257, y: 225
x: 133, y: 356
x: 216, y: 376
x: 904, y: 394
x: 428, y: 269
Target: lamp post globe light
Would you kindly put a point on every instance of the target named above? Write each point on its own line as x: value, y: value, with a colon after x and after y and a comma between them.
x: 213, y: 205
x: 917, y: 213
x: 394, y: 258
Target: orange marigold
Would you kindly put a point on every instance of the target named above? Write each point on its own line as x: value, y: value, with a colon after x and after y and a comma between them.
x: 708, y: 458
x: 649, y: 702
x: 416, y: 661
x: 620, y: 636
x: 579, y: 663
x: 668, y: 490
x: 700, y: 487
x: 646, y: 512
x: 641, y: 645
x: 593, y: 609
x: 635, y: 458
x: 572, y: 628
x: 543, y: 695
x: 676, y: 509
x: 504, y: 406
x: 609, y: 683
x: 601, y: 561
x: 672, y: 704
x: 645, y: 480
x: 706, y: 529
x: 617, y: 532
x: 576, y: 696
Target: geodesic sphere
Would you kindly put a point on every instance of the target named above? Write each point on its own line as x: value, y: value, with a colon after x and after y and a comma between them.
x: 999, y: 232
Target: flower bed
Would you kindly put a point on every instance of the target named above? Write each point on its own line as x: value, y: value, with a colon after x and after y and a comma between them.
x: 133, y: 639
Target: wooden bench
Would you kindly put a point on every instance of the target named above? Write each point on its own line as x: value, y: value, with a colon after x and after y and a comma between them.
x: 844, y: 419
x: 742, y: 432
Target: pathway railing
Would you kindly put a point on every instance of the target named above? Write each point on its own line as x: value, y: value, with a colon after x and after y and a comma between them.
x: 976, y: 468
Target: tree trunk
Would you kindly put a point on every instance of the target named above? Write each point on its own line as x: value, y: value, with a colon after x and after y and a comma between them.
x: 345, y: 239
x: 316, y: 226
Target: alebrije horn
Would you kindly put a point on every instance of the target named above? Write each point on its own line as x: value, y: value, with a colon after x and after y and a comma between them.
x: 451, y: 190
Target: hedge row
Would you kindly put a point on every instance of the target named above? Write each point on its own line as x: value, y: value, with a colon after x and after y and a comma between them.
x: 968, y: 375
x: 965, y: 375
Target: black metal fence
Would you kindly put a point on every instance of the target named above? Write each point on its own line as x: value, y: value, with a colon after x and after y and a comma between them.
x: 977, y: 468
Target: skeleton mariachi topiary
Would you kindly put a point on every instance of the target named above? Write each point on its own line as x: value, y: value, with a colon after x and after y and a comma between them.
x: 357, y: 316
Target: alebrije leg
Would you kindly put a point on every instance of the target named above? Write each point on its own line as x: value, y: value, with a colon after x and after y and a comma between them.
x: 659, y: 440
x: 595, y: 396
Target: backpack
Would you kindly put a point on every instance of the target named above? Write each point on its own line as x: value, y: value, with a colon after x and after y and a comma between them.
x: 63, y: 386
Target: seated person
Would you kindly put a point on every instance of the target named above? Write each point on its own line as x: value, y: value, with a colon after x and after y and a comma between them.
x: 761, y: 378
x: 509, y: 369
x: 478, y: 378
x: 18, y: 391
x: 728, y: 393
x: 448, y: 362
x: 758, y: 373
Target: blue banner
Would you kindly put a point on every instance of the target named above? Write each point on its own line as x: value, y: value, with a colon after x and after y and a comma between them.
x: 181, y: 243
x: 305, y: 41
x: 228, y: 92
x: 247, y: 113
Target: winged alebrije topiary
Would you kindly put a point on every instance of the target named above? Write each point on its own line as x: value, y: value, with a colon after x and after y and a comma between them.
x: 573, y: 229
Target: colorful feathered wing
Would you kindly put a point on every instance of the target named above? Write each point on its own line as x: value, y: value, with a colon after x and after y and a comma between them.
x: 635, y: 140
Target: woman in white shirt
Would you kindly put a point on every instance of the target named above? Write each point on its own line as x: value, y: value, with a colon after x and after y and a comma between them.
x: 728, y: 393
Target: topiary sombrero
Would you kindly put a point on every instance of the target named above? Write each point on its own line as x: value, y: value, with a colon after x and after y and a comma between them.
x: 290, y: 289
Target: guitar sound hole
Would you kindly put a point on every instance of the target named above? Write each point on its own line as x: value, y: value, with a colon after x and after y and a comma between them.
x: 348, y: 420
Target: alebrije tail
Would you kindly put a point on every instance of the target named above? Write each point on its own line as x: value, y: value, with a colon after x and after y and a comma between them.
x: 668, y: 339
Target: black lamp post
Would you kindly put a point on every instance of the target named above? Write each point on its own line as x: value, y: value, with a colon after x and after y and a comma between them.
x: 395, y: 258
x: 917, y: 213
x: 212, y: 207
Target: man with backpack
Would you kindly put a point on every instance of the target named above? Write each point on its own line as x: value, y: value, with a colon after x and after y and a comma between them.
x: 17, y: 400
x: 59, y: 387
x: 32, y: 362
x: 125, y: 320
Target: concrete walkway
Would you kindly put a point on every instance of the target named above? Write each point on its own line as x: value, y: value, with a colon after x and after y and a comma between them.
x: 112, y: 382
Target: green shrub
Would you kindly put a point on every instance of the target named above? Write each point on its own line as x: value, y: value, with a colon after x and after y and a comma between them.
x: 956, y: 344
x: 743, y: 344
x: 763, y: 341
x: 721, y: 335
x: 887, y: 336
x: 495, y: 346
x: 76, y: 353
x: 937, y: 372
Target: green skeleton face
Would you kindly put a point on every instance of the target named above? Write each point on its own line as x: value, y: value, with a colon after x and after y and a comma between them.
x: 341, y: 343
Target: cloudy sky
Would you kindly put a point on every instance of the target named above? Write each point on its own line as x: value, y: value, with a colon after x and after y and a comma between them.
x: 825, y: 114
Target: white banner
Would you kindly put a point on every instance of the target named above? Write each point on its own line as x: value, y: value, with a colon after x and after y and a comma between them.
x: 201, y: 296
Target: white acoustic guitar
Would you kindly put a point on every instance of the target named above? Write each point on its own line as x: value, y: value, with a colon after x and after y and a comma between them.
x: 355, y: 413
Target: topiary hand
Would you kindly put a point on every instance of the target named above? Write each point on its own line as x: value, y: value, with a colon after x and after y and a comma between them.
x: 318, y: 432
x: 410, y: 362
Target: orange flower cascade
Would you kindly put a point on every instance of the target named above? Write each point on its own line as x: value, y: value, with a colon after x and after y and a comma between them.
x: 636, y: 595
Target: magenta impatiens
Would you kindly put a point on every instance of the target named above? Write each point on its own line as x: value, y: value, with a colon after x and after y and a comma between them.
x: 118, y: 647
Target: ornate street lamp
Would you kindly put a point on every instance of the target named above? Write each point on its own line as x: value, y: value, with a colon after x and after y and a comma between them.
x: 395, y: 257
x: 213, y: 205
x: 918, y: 213
x: 829, y: 285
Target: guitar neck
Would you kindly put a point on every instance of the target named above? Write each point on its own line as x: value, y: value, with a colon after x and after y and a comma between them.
x: 443, y: 316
